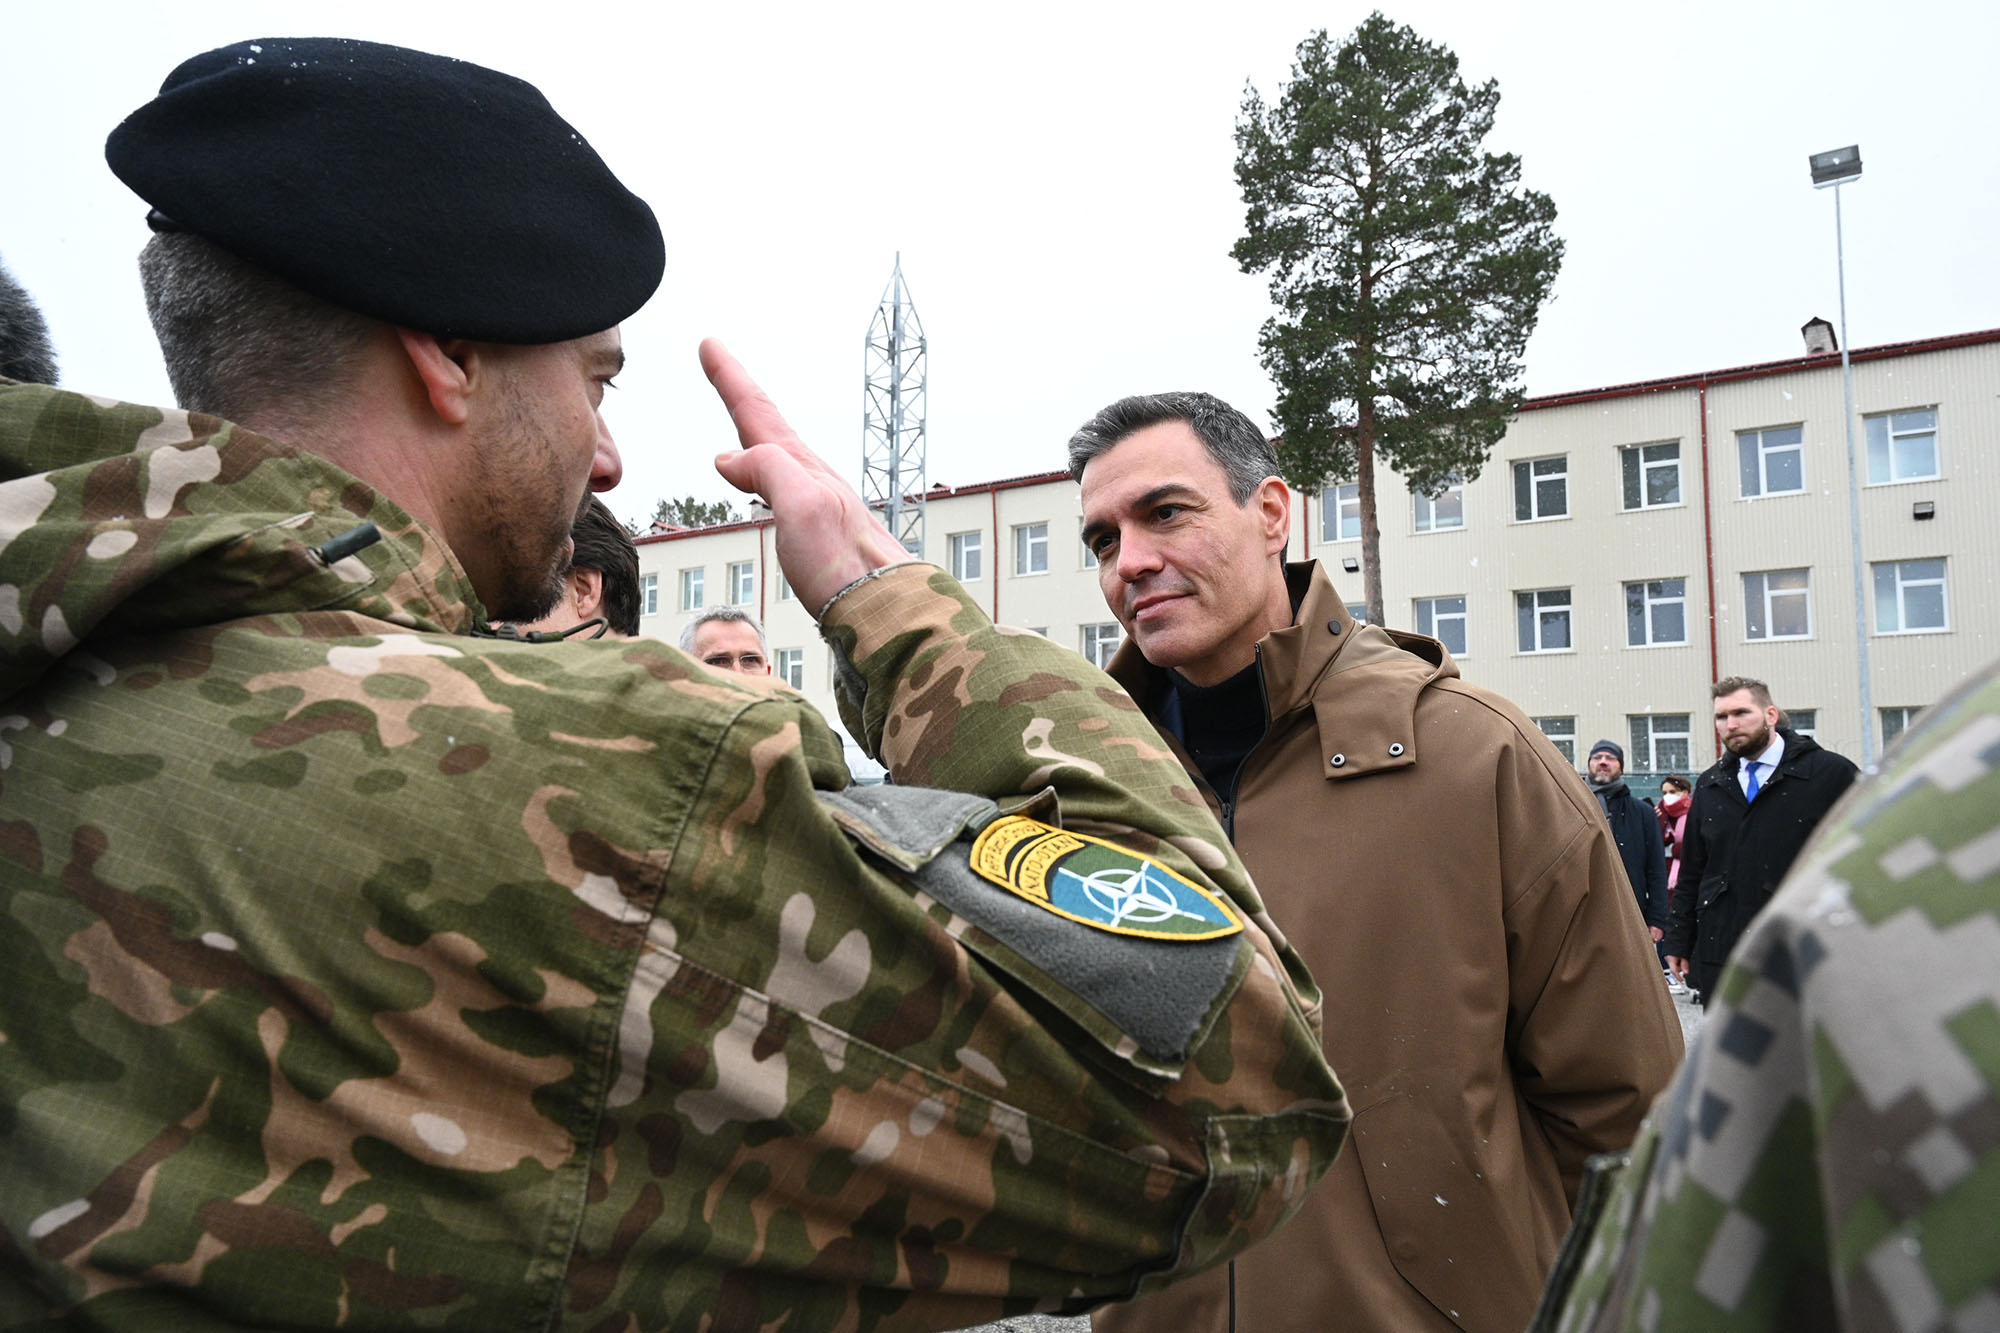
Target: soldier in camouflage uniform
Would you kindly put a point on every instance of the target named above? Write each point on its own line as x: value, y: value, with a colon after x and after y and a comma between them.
x: 1829, y: 1157
x: 367, y: 971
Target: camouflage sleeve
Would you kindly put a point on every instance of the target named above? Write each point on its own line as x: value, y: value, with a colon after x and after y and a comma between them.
x: 1829, y: 1157
x: 861, y: 1086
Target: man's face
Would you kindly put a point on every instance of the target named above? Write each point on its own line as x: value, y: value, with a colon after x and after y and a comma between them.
x: 540, y: 453
x: 1605, y: 768
x: 1189, y: 573
x: 1744, y: 725
x: 730, y: 645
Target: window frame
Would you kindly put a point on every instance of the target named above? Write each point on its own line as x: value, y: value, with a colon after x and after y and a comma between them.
x: 1565, y: 744
x: 1091, y: 642
x: 1632, y: 460
x: 1025, y: 546
x: 1525, y: 468
x: 649, y: 594
x: 1337, y: 511
x: 1426, y: 608
x: 1804, y: 592
x: 1648, y: 604
x: 1889, y: 438
x: 1419, y: 502
x: 694, y: 588
x: 1654, y: 734
x: 959, y: 545
x: 1942, y: 583
x: 787, y: 663
x: 742, y: 578
x: 1568, y: 608
x: 1764, y: 453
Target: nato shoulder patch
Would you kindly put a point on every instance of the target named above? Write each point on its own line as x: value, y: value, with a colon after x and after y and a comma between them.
x: 1097, y: 883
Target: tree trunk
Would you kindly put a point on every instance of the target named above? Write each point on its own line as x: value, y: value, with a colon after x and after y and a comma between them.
x: 1371, y: 531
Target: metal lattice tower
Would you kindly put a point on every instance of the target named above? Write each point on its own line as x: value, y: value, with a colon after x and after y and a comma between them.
x: 892, y: 416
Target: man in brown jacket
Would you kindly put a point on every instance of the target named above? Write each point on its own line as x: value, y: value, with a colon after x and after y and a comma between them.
x: 1492, y: 1000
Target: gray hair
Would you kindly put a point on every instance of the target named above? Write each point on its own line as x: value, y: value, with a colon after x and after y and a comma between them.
x: 26, y: 353
x: 1231, y: 438
x: 723, y: 613
x: 240, y: 342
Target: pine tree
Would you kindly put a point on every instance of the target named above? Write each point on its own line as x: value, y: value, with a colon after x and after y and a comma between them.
x: 1407, y: 264
x: 688, y: 512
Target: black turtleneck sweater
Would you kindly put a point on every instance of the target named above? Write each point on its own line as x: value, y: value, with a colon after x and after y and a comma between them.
x: 1220, y: 724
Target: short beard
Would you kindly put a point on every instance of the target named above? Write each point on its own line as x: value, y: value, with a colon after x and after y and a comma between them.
x: 1604, y: 780
x: 1752, y: 744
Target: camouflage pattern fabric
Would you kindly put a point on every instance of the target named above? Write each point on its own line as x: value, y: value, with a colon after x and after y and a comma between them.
x: 1829, y: 1157
x: 362, y: 973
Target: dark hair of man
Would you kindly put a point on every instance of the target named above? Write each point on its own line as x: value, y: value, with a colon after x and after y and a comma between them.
x: 1759, y: 691
x: 243, y: 344
x: 603, y: 544
x: 26, y: 354
x: 1231, y: 438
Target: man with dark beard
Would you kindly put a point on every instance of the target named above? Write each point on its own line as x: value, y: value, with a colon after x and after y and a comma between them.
x: 1753, y: 810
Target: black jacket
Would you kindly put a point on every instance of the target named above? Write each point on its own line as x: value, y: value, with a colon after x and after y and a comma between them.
x: 1735, y: 851
x: 1637, y: 831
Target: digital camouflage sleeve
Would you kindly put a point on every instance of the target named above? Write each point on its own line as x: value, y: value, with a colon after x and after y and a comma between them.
x: 364, y: 973
x: 1829, y: 1156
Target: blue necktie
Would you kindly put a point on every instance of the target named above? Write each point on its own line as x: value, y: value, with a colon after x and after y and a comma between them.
x: 1750, y: 792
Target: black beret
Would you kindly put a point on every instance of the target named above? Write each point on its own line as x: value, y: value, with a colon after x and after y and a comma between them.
x: 422, y: 190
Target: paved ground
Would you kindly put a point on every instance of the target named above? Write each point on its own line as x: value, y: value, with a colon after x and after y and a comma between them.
x: 1690, y: 1016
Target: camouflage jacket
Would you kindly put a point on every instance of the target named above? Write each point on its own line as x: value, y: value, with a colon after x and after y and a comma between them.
x: 1829, y: 1156
x: 364, y: 973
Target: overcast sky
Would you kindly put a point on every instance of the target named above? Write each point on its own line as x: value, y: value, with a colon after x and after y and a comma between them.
x: 1057, y: 179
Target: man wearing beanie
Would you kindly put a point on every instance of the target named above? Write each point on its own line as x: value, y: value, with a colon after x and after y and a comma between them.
x: 1637, y: 832
x: 367, y: 969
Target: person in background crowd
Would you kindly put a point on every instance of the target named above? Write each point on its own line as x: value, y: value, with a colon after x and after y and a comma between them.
x: 1636, y: 832
x: 602, y: 581
x: 1829, y: 1158
x: 727, y: 638
x: 1752, y: 811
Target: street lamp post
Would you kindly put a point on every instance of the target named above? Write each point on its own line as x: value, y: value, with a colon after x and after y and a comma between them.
x: 1834, y: 169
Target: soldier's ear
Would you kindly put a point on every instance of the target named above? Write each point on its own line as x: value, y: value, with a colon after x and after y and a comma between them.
x: 444, y: 370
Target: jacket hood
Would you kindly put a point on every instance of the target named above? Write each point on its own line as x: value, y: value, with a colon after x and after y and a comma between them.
x: 1374, y: 727
x: 120, y: 518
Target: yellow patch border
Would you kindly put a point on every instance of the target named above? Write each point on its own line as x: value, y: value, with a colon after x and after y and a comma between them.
x: 1013, y: 844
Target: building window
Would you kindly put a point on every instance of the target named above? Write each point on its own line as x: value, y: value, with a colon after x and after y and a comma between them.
x: 1443, y: 618
x: 1660, y: 742
x: 791, y: 665
x: 1358, y: 611
x: 1805, y: 721
x: 1340, y: 513
x: 1656, y: 613
x: 1443, y: 511
x: 1909, y: 597
x: 1101, y: 641
x: 742, y: 583
x: 1652, y: 475
x: 1777, y: 604
x: 1541, y: 489
x: 649, y: 595
x: 784, y: 586
x: 1031, y: 548
x: 1896, y: 720
x: 1088, y: 559
x: 965, y: 556
x: 1561, y: 732
x: 1543, y: 620
x: 1772, y: 462
x: 691, y: 588
x: 1902, y: 446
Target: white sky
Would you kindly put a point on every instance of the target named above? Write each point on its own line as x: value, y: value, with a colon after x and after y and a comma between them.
x: 1058, y: 180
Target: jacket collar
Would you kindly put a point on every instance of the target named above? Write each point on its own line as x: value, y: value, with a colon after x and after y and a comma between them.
x: 1361, y: 683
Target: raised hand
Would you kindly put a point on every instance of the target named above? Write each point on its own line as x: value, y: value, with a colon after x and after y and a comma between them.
x: 827, y: 537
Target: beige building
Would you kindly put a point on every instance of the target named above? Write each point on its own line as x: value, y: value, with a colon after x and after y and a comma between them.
x: 1622, y: 548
